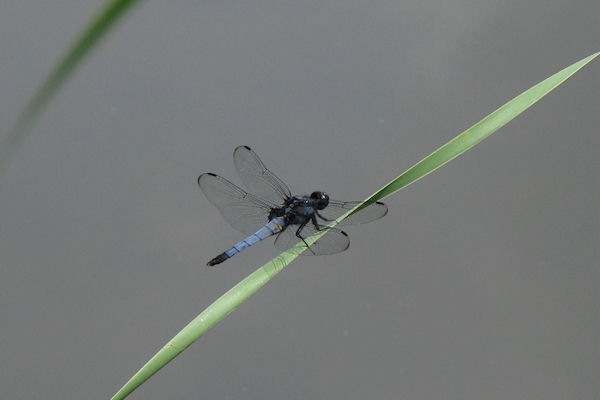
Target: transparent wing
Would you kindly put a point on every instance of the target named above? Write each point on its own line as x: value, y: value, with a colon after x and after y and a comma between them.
x: 334, y: 241
x: 257, y: 178
x: 245, y: 212
x: 370, y: 213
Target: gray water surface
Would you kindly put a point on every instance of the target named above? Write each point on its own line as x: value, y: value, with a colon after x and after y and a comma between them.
x: 481, y: 282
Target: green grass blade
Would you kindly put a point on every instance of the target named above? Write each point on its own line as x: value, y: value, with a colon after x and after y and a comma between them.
x: 90, y: 36
x: 206, y: 320
x: 234, y: 297
x: 479, y: 131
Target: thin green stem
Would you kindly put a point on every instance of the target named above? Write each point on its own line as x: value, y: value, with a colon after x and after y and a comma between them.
x: 91, y: 35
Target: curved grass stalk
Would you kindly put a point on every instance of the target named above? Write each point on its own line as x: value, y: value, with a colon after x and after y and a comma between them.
x: 94, y: 31
x: 240, y: 292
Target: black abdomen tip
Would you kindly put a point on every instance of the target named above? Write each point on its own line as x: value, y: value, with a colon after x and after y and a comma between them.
x: 217, y: 260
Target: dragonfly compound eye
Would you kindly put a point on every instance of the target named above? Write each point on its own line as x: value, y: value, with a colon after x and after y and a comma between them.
x: 320, y: 199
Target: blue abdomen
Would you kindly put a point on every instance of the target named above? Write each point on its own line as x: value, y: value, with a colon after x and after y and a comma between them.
x: 274, y: 226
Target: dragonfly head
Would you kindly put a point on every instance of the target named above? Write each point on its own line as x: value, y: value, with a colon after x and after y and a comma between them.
x: 320, y: 200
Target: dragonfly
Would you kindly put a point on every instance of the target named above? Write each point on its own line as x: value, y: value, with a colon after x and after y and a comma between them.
x: 269, y: 208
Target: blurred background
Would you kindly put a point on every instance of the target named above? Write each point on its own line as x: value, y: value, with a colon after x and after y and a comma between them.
x: 481, y: 282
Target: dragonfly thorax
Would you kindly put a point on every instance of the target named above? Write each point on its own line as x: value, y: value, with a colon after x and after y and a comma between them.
x: 300, y: 209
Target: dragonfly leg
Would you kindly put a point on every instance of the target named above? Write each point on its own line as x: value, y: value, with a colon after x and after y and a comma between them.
x: 300, y: 236
x: 316, y: 222
x: 322, y: 217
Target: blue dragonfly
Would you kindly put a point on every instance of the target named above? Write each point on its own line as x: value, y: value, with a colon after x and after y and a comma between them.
x: 268, y: 208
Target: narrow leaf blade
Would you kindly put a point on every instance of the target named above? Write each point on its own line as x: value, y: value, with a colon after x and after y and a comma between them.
x: 94, y: 31
x: 479, y: 131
